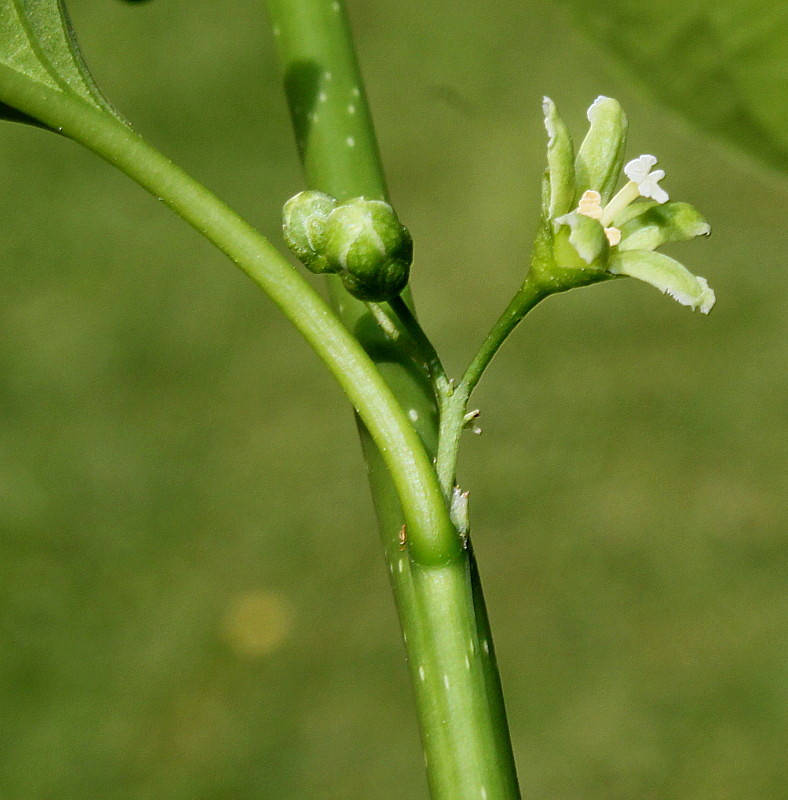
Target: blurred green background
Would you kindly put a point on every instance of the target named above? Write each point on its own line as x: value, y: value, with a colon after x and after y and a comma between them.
x: 193, y: 605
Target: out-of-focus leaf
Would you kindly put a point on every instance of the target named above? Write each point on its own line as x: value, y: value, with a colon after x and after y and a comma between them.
x: 723, y: 64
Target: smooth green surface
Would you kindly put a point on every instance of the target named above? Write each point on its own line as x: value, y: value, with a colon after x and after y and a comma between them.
x: 720, y: 63
x: 459, y: 703
x: 193, y: 599
x: 36, y: 39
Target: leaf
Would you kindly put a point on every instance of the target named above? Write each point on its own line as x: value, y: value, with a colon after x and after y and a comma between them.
x: 720, y: 63
x: 36, y: 40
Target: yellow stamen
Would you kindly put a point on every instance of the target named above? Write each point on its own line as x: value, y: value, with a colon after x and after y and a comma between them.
x: 590, y: 204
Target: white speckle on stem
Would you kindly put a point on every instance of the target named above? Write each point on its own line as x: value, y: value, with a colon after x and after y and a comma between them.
x: 421, y: 673
x: 350, y: 141
x: 351, y: 109
x: 413, y: 415
x: 335, y: 6
x: 484, y: 793
x: 277, y: 30
x: 472, y: 646
x: 467, y: 663
x: 486, y: 646
x: 322, y: 97
x: 401, y: 565
x: 446, y: 681
x: 329, y: 75
x: 355, y: 91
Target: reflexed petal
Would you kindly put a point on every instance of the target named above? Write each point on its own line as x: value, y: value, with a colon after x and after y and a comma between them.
x: 667, y: 275
x: 658, y: 224
x: 599, y: 160
x: 560, y: 161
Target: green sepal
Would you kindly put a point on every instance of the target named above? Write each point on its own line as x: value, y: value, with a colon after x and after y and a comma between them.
x: 556, y: 266
x: 667, y: 275
x: 304, y: 218
x: 601, y: 155
x: 37, y: 40
x: 580, y: 241
x: 560, y: 162
x: 659, y: 224
x: 370, y: 249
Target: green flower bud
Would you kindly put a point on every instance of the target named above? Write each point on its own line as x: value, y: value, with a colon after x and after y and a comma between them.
x: 304, y: 219
x: 369, y: 248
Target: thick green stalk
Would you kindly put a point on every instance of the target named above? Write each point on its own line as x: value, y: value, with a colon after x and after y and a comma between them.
x: 433, y: 535
x: 441, y: 609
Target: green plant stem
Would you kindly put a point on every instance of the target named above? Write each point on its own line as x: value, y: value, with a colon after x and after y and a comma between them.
x: 424, y: 347
x: 434, y: 540
x: 453, y: 416
x: 454, y: 675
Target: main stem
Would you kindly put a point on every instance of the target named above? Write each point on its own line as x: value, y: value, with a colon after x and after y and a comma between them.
x: 441, y: 608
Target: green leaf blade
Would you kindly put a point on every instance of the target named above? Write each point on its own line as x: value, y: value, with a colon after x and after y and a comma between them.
x: 37, y: 40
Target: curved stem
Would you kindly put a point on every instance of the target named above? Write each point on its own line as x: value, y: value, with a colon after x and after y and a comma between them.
x: 526, y: 298
x: 433, y: 537
x: 453, y: 416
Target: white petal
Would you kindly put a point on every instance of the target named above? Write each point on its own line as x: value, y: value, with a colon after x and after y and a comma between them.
x: 649, y: 187
x: 639, y: 168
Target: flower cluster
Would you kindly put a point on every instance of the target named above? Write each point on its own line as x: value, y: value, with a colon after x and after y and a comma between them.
x: 589, y: 234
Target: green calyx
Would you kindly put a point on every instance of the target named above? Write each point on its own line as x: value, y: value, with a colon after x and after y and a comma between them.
x: 369, y: 248
x: 587, y: 234
x: 360, y: 240
x: 304, y: 220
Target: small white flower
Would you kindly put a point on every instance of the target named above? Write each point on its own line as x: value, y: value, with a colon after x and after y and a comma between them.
x: 638, y: 171
x: 613, y: 236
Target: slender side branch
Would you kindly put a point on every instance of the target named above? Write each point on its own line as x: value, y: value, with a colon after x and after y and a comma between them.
x: 453, y: 416
x: 424, y: 347
x: 525, y: 299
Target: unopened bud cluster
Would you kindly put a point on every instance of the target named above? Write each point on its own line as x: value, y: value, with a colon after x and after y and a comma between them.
x: 360, y: 240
